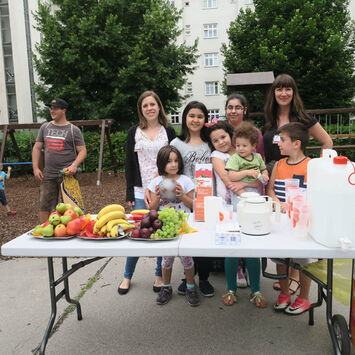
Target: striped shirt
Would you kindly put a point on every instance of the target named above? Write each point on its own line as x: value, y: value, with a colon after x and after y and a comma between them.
x: 285, y: 171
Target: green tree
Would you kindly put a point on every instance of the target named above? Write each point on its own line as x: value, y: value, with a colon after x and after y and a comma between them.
x: 312, y: 40
x: 101, y: 55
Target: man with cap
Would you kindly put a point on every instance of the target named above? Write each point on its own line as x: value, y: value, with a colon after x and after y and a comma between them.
x: 64, y: 148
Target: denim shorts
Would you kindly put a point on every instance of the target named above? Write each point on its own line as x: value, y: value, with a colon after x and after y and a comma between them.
x: 49, y: 193
x: 3, y: 198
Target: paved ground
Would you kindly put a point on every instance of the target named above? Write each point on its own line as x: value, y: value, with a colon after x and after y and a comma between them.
x: 134, y: 324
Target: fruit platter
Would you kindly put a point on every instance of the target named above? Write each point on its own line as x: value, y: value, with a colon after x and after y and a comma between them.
x: 153, y: 225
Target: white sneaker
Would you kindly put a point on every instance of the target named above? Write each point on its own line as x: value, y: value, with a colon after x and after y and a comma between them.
x: 241, y: 280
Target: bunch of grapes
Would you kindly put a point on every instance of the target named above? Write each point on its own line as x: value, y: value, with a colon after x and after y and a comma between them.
x: 172, y: 221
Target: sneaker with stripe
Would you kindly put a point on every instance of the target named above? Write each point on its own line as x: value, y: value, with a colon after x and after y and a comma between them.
x: 299, y: 306
x: 283, y: 301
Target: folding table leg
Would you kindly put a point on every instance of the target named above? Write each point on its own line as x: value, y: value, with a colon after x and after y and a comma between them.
x: 66, y: 287
x: 53, y: 306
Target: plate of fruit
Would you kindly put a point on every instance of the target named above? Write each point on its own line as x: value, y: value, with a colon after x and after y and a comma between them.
x: 64, y: 223
x: 110, y: 224
x: 159, y: 225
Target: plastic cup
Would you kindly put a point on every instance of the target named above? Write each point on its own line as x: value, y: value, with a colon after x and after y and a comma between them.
x: 300, y: 216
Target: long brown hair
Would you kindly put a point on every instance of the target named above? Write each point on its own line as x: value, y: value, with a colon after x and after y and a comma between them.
x: 163, y: 120
x: 271, y: 107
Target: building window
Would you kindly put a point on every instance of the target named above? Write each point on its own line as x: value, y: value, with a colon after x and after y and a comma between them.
x: 213, y: 113
x: 209, y: 4
x: 211, y: 59
x: 211, y: 87
x: 187, y: 30
x: 210, y: 30
x: 187, y: 3
x: 249, y: 2
x: 174, y: 118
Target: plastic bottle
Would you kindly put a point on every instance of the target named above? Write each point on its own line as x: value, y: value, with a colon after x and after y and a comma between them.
x: 331, y: 197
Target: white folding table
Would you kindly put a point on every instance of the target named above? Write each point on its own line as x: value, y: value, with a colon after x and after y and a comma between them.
x: 280, y: 243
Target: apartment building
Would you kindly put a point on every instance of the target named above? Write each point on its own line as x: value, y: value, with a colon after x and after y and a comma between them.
x: 207, y: 20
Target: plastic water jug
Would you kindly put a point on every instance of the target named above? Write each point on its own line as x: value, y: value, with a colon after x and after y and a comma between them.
x: 331, y: 198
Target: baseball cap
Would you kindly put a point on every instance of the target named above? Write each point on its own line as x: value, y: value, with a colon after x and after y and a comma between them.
x: 57, y: 102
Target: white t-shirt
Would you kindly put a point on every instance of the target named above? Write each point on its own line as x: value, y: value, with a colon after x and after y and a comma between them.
x: 187, y: 186
x: 147, y: 151
x: 221, y: 188
x: 191, y: 155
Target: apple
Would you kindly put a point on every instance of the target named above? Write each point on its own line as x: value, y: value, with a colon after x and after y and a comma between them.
x: 60, y: 231
x: 145, y: 222
x: 54, y: 219
x: 153, y: 215
x: 65, y: 219
x: 157, y: 224
x: 136, y: 233
x: 78, y: 211
x: 55, y: 212
x: 145, y: 233
x: 84, y: 220
x: 70, y: 213
x: 74, y: 226
x: 61, y: 207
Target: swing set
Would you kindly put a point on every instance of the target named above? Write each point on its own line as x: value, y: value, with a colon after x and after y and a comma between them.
x: 105, y: 125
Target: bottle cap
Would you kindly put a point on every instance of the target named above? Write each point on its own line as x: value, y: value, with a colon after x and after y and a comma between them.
x: 340, y: 160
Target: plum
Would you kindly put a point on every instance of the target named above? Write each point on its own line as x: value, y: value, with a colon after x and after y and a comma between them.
x: 157, y: 224
x: 145, y: 233
x: 136, y: 233
x: 153, y: 215
x: 145, y: 222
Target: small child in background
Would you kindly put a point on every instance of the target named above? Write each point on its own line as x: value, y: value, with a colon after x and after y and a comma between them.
x: 246, y: 165
x: 170, y: 165
x: 294, y: 137
x: 3, y: 199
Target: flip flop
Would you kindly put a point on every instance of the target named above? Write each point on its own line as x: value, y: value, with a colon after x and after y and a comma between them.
x: 292, y: 291
x: 276, y: 286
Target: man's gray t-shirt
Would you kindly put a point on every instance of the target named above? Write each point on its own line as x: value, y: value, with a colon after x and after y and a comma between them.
x: 59, y: 144
x: 192, y: 155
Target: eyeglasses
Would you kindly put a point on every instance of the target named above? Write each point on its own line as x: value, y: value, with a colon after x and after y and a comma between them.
x: 237, y: 108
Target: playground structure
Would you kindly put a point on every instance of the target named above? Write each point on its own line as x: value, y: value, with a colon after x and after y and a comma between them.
x: 105, y: 125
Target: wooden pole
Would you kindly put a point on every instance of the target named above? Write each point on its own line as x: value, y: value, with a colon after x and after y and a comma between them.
x: 102, y: 140
x: 3, y: 143
x: 114, y: 161
x: 17, y: 150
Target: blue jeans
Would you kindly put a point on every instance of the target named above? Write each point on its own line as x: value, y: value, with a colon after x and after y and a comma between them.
x: 131, y: 261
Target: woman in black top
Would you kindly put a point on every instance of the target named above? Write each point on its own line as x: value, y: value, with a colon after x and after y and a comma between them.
x: 284, y: 105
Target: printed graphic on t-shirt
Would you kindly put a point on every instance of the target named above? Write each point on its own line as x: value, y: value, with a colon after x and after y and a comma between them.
x: 55, y: 139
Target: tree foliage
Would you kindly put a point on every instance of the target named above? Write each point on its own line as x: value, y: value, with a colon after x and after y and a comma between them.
x: 312, y: 40
x: 101, y: 55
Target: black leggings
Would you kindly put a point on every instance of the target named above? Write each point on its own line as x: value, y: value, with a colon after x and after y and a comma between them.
x: 203, y: 266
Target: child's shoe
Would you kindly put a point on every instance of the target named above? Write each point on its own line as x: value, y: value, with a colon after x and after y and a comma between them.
x: 229, y: 298
x: 258, y: 299
x: 241, y: 280
x: 206, y: 288
x: 283, y: 301
x: 164, y: 295
x: 192, y: 297
x: 182, y: 287
x: 299, y: 306
x: 10, y: 213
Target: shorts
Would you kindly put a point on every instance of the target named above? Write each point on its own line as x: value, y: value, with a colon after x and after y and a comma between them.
x: 3, y: 198
x: 49, y: 193
x: 297, y: 261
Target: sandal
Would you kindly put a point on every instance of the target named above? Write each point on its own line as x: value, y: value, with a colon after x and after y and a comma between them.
x: 258, y: 299
x: 276, y: 286
x: 292, y: 291
x: 229, y: 298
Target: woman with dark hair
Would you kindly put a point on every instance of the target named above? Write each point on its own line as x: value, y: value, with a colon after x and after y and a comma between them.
x: 143, y: 143
x: 193, y: 146
x: 284, y: 105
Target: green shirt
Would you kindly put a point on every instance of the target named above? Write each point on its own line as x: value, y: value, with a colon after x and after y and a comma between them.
x: 237, y: 163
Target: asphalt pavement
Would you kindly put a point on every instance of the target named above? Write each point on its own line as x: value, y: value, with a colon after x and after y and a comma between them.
x: 135, y: 324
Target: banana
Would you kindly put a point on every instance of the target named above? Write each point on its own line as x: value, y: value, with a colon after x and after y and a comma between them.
x: 115, y: 228
x: 110, y: 208
x: 96, y: 230
x: 114, y: 231
x: 111, y: 223
x: 108, y: 217
x: 139, y: 211
x: 103, y: 231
